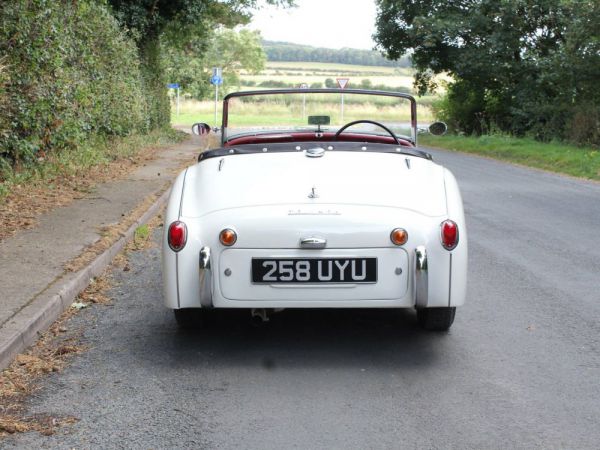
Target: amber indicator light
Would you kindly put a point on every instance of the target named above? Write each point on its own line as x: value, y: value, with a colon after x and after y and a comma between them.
x: 399, y: 236
x: 228, y: 237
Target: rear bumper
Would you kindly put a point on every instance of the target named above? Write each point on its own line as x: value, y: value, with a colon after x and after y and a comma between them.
x: 403, y: 282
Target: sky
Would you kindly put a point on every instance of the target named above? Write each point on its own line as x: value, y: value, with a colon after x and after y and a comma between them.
x: 320, y: 23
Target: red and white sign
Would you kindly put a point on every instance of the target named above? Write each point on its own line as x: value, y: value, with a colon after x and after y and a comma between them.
x: 342, y: 82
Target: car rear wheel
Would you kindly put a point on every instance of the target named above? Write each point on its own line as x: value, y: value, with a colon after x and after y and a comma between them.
x: 188, y: 318
x: 436, y: 319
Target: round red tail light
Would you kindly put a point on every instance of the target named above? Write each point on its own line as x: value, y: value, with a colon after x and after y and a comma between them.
x: 449, y: 234
x: 177, y: 235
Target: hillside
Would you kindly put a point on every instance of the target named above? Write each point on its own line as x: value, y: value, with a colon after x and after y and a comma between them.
x: 286, y: 51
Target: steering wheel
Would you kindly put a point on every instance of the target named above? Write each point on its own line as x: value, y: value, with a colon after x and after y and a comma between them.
x: 372, y: 122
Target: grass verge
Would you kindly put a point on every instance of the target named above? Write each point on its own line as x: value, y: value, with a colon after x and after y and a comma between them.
x: 31, y: 191
x: 69, y: 164
x: 555, y: 157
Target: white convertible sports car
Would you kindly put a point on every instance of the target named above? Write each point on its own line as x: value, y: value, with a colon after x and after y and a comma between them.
x: 303, y: 208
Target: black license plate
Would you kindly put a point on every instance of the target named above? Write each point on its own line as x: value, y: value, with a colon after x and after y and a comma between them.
x: 314, y: 270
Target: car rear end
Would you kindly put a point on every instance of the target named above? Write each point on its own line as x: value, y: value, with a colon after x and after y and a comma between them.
x: 288, y: 232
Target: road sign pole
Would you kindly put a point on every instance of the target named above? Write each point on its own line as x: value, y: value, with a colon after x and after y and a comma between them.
x: 342, y: 83
x: 216, y: 102
x: 304, y: 86
x: 303, y: 108
x: 177, y: 102
x: 216, y: 79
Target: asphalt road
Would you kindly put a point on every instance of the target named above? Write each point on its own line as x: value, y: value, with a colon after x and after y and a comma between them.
x: 519, y: 369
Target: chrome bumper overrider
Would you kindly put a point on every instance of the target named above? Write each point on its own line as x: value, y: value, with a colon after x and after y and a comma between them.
x: 205, y: 276
x: 421, y: 278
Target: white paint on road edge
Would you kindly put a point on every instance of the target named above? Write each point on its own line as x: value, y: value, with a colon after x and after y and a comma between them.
x: 24, y: 328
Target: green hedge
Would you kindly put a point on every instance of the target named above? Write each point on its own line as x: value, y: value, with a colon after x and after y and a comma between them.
x: 69, y: 72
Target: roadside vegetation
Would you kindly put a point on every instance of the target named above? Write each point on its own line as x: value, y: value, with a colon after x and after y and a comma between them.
x: 81, y: 81
x: 520, y: 67
x: 70, y: 76
x: 583, y: 162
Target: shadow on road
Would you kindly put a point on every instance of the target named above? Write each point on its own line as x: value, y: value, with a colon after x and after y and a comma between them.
x: 302, y: 339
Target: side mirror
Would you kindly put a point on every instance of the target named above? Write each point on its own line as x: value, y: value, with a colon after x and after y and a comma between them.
x: 438, y: 128
x: 200, y: 129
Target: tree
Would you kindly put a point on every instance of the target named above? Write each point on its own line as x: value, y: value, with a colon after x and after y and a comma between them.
x: 507, y: 58
x: 231, y: 50
x: 148, y: 20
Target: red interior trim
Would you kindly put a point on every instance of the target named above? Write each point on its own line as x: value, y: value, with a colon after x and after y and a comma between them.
x: 311, y: 136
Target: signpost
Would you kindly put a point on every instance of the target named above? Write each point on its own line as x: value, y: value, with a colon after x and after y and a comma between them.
x: 342, y: 83
x: 303, y: 86
x: 216, y: 80
x: 176, y: 87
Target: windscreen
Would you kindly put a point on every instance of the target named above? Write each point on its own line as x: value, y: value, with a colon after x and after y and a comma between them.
x: 322, y: 111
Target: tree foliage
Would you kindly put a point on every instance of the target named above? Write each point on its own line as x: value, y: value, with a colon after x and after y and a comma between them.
x: 191, y: 64
x: 69, y: 72
x: 149, y: 21
x: 79, y: 71
x: 524, y: 66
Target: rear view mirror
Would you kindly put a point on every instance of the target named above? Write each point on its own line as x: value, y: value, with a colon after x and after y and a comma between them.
x: 438, y: 128
x: 319, y: 120
x: 201, y: 129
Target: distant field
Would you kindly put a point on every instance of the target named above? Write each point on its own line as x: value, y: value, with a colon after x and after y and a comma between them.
x: 276, y: 113
x: 296, y: 72
x: 331, y: 67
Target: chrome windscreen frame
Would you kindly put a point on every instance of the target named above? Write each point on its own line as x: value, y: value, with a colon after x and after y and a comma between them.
x: 410, y: 98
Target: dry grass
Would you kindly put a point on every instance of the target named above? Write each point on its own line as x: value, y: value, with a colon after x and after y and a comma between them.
x: 20, y: 380
x: 26, y: 201
x: 110, y: 234
x: 54, y: 349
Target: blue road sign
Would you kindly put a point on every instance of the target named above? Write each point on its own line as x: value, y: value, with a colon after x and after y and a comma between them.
x: 173, y: 85
x: 216, y: 80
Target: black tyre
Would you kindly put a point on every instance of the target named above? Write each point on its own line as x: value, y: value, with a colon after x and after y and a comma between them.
x: 188, y: 318
x: 436, y: 319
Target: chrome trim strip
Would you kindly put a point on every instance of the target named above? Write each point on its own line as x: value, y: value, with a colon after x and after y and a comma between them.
x: 421, y: 277
x: 313, y: 242
x: 177, y: 278
x: 177, y: 253
x: 205, y: 278
x: 450, y: 283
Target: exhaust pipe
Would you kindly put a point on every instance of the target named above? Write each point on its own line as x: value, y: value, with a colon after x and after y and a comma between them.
x: 259, y: 316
